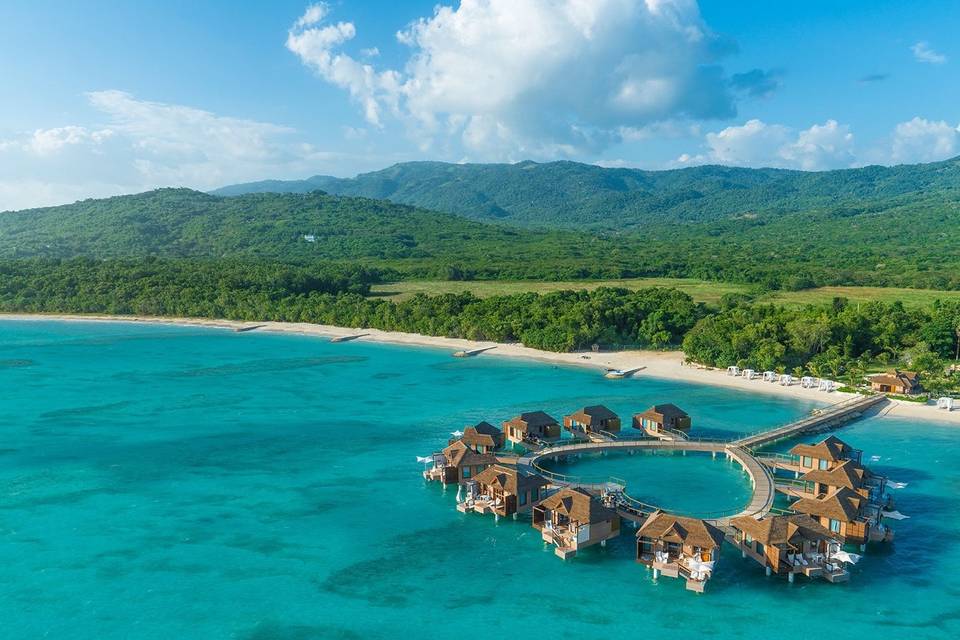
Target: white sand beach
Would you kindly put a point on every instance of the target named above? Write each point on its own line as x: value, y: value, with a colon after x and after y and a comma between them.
x: 657, y: 364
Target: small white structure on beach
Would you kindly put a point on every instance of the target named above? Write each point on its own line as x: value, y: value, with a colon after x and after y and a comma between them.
x: 826, y: 385
x: 749, y: 374
x: 786, y: 380
x: 769, y: 376
x: 946, y: 403
x: 808, y: 382
x: 733, y: 370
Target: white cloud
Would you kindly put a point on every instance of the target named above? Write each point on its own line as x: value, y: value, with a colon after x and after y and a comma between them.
x: 923, y: 53
x: 494, y: 76
x: 143, y: 145
x: 922, y: 140
x: 758, y: 144
x: 47, y: 141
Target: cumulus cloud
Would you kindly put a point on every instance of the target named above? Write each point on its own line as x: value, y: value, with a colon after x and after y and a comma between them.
x: 494, y: 76
x: 923, y: 53
x: 142, y: 145
x: 922, y: 140
x: 758, y: 144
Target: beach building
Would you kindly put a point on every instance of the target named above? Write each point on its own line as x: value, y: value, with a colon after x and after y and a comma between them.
x: 790, y: 545
x: 592, y: 419
x: 896, y: 381
x: 662, y: 419
x: 572, y: 519
x: 503, y: 490
x: 679, y: 547
x: 458, y: 463
x: 483, y: 437
x: 533, y: 427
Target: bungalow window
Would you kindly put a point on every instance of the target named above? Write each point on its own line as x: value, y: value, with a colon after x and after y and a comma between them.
x: 534, y: 493
x: 824, y: 464
x: 466, y: 472
x: 835, y: 526
x: 807, y: 462
x: 523, y: 498
x: 748, y: 539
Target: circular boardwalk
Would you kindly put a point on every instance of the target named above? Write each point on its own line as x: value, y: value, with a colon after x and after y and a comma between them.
x: 761, y: 500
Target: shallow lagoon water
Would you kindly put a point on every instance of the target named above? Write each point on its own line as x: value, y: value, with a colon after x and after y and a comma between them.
x: 167, y: 482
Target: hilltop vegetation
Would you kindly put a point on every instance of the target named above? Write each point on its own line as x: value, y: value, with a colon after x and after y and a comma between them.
x: 913, y: 245
x: 584, y: 196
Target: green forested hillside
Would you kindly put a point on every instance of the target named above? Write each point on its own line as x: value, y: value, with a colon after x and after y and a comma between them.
x: 178, y: 223
x: 584, y: 196
x: 914, y: 244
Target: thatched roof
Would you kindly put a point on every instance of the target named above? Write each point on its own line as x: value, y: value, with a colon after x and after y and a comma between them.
x: 897, y: 378
x: 579, y: 506
x: 661, y: 412
x: 783, y: 530
x: 688, y: 531
x: 832, y: 448
x: 484, y: 434
x: 842, y: 504
x: 459, y: 454
x: 847, y: 474
x: 532, y: 419
x: 508, y: 479
x: 595, y: 413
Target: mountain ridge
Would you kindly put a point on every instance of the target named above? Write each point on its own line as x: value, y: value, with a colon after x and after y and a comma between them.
x: 573, y: 195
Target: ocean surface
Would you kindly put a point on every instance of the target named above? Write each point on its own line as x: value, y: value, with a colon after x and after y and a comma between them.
x: 169, y: 482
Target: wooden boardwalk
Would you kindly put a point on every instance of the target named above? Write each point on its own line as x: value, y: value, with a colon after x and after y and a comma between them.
x: 761, y: 500
x: 739, y: 450
x: 821, y: 420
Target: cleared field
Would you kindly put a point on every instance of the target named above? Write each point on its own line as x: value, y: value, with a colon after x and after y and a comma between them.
x: 700, y: 290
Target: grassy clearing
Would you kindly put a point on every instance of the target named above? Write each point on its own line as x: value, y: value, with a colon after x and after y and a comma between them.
x: 699, y: 290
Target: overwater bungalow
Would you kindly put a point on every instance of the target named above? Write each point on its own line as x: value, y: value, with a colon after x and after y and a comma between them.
x: 458, y: 463
x: 662, y: 419
x: 592, y: 419
x: 677, y: 547
x: 483, y: 437
x: 851, y: 517
x: 896, y: 381
x: 572, y: 519
x: 503, y: 490
x: 532, y: 427
x: 825, y: 455
x: 790, y: 545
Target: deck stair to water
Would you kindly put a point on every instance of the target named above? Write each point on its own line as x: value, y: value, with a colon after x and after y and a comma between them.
x: 821, y: 420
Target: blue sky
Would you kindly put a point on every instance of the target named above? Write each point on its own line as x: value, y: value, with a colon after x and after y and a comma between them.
x: 113, y: 97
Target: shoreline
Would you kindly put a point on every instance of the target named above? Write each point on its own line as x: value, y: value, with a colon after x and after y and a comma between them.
x: 658, y: 364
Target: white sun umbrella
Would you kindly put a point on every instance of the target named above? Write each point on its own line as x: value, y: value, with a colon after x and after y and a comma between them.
x: 894, y: 515
x: 424, y: 459
x: 456, y: 434
x: 896, y: 485
x: 846, y: 556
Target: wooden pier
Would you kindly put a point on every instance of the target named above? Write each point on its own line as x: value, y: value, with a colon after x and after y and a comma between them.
x: 761, y: 500
x: 821, y: 420
x: 469, y: 353
x: 354, y: 336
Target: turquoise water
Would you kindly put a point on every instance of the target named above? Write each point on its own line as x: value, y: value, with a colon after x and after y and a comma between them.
x: 691, y: 483
x: 163, y: 482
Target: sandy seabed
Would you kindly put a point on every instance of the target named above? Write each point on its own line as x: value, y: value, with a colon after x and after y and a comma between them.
x: 658, y: 364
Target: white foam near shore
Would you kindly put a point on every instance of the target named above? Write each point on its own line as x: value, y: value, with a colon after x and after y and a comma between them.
x: 656, y: 364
